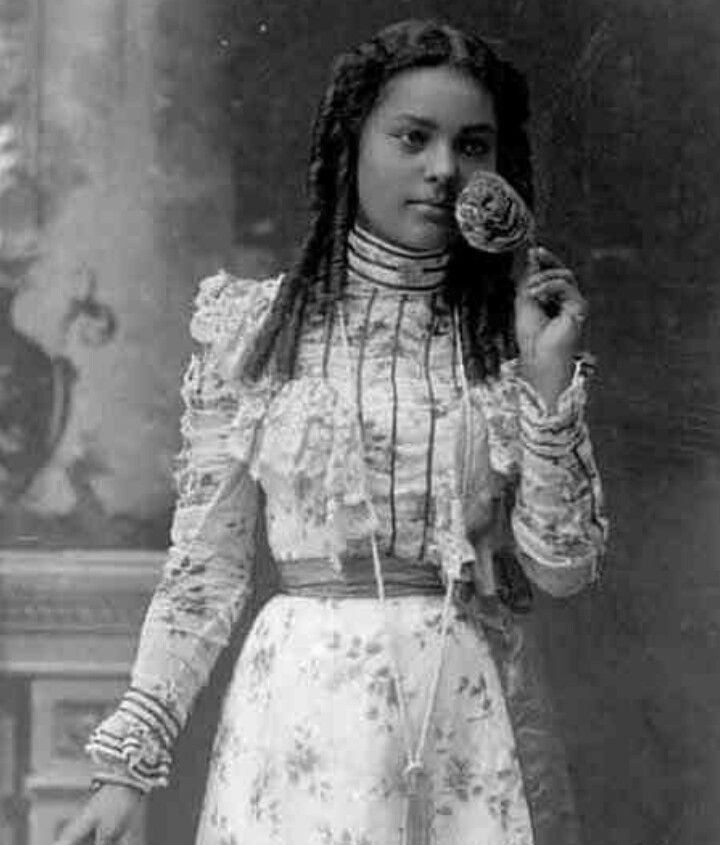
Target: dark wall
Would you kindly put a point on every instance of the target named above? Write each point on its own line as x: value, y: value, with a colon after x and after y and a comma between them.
x: 626, y: 127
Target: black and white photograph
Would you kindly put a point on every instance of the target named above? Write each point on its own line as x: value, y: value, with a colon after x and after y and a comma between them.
x: 359, y: 422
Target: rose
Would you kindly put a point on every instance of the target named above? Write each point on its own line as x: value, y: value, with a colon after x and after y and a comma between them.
x: 492, y: 216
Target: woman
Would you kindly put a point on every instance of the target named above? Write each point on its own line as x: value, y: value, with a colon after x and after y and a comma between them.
x: 398, y: 413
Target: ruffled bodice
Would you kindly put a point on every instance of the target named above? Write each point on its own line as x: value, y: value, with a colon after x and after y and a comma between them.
x: 383, y: 411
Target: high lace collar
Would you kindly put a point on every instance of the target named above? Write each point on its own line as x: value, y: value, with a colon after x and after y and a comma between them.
x: 375, y: 261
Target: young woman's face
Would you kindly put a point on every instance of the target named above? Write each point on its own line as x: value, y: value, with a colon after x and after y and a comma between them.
x: 429, y: 131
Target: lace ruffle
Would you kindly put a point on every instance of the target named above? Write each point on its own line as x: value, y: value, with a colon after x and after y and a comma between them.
x: 136, y: 750
x: 310, y: 466
x: 299, y: 439
x: 136, y: 740
x: 229, y: 312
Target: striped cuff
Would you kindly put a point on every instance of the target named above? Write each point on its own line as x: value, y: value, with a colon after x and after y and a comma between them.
x: 556, y: 434
x: 136, y: 741
x: 110, y: 778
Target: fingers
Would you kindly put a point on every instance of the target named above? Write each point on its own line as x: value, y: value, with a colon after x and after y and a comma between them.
x: 539, y: 258
x: 552, y: 298
x: 79, y: 831
x: 104, y: 819
x: 546, y: 282
x: 538, y: 264
x: 555, y: 286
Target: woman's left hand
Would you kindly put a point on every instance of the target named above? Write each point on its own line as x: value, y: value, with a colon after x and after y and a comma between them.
x: 549, y: 313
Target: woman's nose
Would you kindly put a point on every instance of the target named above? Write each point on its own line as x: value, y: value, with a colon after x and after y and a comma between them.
x: 441, y: 164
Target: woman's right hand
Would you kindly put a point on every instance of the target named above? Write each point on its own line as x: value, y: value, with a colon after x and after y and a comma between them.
x: 105, y: 818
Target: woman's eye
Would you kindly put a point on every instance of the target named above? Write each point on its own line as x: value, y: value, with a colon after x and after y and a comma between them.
x: 413, y: 139
x: 476, y: 147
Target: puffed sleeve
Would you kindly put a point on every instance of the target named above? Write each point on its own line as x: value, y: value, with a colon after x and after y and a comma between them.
x: 208, y: 573
x: 558, y: 520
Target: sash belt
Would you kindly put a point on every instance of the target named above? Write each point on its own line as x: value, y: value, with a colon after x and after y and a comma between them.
x: 316, y: 577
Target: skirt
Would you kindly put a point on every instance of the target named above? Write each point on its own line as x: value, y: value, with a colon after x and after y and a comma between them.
x: 310, y: 749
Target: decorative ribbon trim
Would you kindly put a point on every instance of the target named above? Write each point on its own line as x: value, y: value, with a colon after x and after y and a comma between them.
x: 377, y: 262
x: 136, y: 740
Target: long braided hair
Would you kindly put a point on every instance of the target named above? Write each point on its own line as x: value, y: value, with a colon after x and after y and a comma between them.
x: 477, y: 285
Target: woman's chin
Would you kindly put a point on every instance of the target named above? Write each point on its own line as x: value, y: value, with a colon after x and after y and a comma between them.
x: 421, y: 233
x: 429, y: 234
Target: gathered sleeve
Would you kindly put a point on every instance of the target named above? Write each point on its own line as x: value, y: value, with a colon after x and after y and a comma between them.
x: 558, y: 519
x: 207, y: 577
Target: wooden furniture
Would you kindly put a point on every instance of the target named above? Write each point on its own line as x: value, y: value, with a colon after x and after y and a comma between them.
x: 68, y: 626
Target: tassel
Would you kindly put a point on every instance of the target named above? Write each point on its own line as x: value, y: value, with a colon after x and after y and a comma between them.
x: 418, y: 806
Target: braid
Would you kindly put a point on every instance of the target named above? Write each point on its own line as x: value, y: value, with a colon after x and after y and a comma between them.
x: 341, y: 224
x: 485, y: 310
x: 335, y: 267
x: 317, y: 280
x: 277, y: 332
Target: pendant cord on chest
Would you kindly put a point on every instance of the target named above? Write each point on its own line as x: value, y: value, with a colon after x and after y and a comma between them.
x: 418, y: 810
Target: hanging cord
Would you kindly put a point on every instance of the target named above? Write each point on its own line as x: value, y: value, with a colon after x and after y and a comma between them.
x: 467, y: 408
x: 415, y: 829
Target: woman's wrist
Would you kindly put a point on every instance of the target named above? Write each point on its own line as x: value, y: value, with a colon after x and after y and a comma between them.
x: 548, y: 382
x: 102, y: 779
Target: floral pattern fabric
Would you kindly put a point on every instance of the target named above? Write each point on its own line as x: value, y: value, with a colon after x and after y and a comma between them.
x: 310, y: 750
x: 382, y: 415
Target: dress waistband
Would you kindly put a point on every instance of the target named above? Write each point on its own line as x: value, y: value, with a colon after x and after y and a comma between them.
x: 316, y: 577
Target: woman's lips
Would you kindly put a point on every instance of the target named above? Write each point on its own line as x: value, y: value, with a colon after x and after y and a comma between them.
x: 434, y: 209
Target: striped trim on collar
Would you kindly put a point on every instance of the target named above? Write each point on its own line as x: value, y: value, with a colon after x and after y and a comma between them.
x: 375, y: 261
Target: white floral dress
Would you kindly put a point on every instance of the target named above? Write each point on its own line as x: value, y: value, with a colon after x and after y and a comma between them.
x: 309, y: 750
